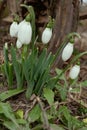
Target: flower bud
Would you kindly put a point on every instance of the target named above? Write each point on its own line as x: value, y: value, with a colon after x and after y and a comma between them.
x: 24, y: 32
x: 67, y: 51
x: 14, y: 29
x: 46, y: 35
x: 74, y: 72
x: 18, y: 44
x: 6, y: 46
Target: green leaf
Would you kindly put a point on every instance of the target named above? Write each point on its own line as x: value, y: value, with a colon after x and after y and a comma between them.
x: 34, y: 114
x: 49, y: 95
x: 62, y: 91
x: 84, y: 83
x: 40, y: 63
x: 19, y: 113
x: 44, y: 74
x: 17, y: 68
x: 7, y: 94
x: 56, y: 127
x: 8, y: 68
x: 29, y: 90
x: 8, y: 113
x: 10, y: 125
x: 84, y: 128
x: 70, y: 121
x: 75, y: 90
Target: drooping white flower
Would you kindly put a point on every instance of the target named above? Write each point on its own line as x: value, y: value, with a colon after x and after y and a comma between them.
x: 14, y: 29
x: 67, y: 51
x: 74, y: 72
x: 18, y: 44
x: 46, y: 35
x: 24, y: 32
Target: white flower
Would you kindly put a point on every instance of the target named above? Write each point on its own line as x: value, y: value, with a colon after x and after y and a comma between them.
x: 14, y: 29
x: 18, y: 44
x: 74, y: 72
x: 67, y: 51
x: 6, y: 45
x: 24, y: 32
x: 20, y: 24
x: 46, y: 35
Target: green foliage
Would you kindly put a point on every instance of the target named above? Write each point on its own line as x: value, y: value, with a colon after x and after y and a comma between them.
x: 7, y: 114
x: 36, y: 70
x: 67, y: 119
x: 8, y: 68
x: 7, y: 94
x: 49, y: 95
x: 56, y: 127
x: 9, y: 120
x: 17, y: 68
x: 84, y: 83
x: 34, y: 114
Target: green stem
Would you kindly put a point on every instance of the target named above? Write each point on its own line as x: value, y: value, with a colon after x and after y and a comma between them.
x: 68, y: 37
x: 25, y: 51
x: 72, y: 62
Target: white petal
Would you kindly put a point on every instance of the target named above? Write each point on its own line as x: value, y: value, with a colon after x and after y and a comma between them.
x: 46, y: 35
x: 14, y: 29
x: 74, y: 72
x: 18, y: 44
x: 20, y: 24
x: 67, y: 52
x: 25, y: 33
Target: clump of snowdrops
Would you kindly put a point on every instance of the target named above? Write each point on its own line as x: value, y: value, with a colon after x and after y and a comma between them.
x: 31, y: 67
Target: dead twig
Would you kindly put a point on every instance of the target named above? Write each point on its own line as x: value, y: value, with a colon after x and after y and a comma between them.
x: 46, y: 123
x: 78, y: 101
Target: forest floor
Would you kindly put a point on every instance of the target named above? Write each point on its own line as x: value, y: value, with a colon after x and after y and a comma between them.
x: 80, y: 44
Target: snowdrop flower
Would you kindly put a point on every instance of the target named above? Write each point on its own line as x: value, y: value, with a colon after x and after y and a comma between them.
x: 18, y: 44
x: 6, y: 45
x: 67, y: 51
x: 14, y: 29
x: 74, y: 72
x: 20, y: 24
x: 25, y: 32
x: 46, y: 35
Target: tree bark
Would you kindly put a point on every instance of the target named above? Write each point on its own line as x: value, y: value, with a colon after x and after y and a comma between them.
x: 67, y: 12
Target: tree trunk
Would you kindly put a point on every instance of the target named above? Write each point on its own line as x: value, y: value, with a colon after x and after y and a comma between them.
x: 67, y: 12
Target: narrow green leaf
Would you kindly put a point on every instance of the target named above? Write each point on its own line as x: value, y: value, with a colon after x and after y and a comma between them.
x: 17, y: 68
x: 40, y: 62
x: 29, y: 90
